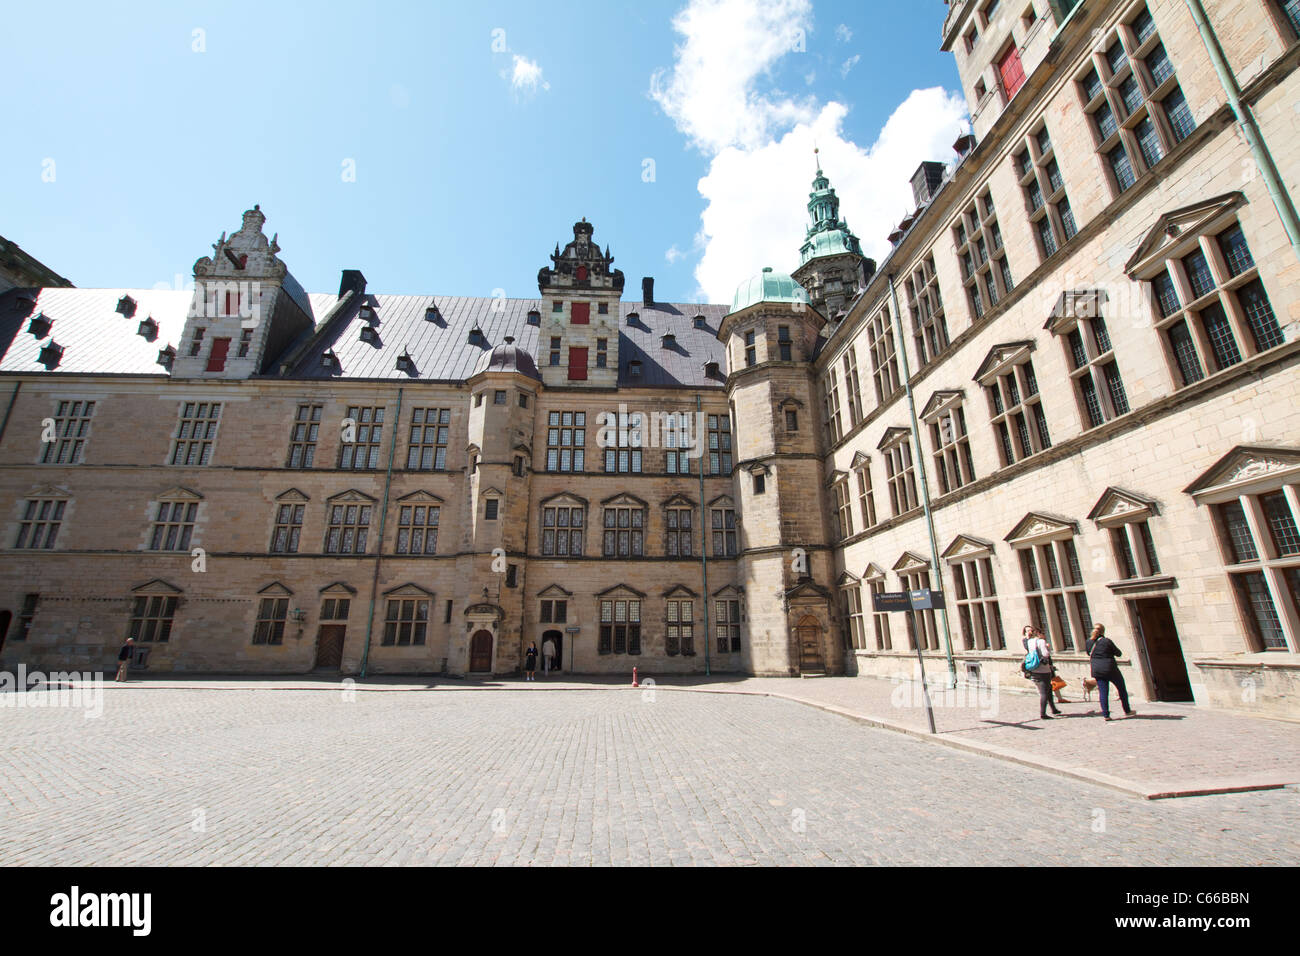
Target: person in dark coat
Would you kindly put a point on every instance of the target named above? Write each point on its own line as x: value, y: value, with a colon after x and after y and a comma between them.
x: 530, y: 661
x: 1105, y: 670
x: 124, y: 659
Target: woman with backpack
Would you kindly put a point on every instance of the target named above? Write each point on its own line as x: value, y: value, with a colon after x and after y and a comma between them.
x: 1038, y: 667
x: 1105, y: 670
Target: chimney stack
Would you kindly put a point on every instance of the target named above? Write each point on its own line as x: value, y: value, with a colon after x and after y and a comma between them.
x: 648, y: 290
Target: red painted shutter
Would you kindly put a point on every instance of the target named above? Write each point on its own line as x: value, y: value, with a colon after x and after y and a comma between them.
x: 1011, y: 71
x: 581, y: 313
x: 217, y: 357
x: 577, y: 364
x: 581, y: 274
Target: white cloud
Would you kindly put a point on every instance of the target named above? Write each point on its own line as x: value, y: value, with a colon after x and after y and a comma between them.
x: 760, y: 144
x: 849, y: 64
x: 810, y: 76
x: 526, y: 76
x: 843, y: 33
x: 673, y: 254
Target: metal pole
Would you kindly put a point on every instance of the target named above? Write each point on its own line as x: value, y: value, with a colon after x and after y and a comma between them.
x: 919, y: 457
x: 704, y: 561
x: 1286, y: 210
x: 379, y: 551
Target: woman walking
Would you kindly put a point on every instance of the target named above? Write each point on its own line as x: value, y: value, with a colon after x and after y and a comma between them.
x: 1038, y: 664
x: 530, y: 661
x: 1105, y: 670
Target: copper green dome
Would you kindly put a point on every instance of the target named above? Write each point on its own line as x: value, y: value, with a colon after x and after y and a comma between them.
x: 768, y: 286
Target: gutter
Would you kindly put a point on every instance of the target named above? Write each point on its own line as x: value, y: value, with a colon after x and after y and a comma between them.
x: 704, y: 561
x: 383, y: 517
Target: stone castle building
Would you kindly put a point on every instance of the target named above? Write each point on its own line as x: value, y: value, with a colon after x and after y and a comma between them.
x: 1068, y: 395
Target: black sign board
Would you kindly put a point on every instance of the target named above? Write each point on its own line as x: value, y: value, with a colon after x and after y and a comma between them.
x: 891, y: 601
x: 923, y: 599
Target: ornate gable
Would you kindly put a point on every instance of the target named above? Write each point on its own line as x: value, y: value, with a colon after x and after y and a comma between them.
x: 1073, y: 305
x: 911, y: 561
x: 1117, y: 506
x: 847, y: 579
x: 860, y: 460
x: 940, y: 402
x: 1243, y: 467
x: 1169, y: 231
x: 892, y: 437
x: 1040, y: 526
x: 873, y: 572
x: 967, y: 546
x: 1000, y: 358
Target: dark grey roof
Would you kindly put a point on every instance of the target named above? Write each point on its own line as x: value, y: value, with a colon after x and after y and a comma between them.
x: 96, y: 339
x: 508, y: 357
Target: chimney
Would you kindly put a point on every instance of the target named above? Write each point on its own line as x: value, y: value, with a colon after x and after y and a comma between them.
x: 926, y: 182
x: 648, y: 290
x: 353, y: 281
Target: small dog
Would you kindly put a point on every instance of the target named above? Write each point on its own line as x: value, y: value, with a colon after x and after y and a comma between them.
x: 1089, y: 685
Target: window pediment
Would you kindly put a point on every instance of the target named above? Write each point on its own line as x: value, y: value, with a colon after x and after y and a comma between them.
x: 179, y: 494
x: 49, y: 491
x: 1002, y: 357
x: 564, y: 499
x: 860, y: 460
x: 735, y: 589
x: 723, y: 501
x: 553, y: 591
x: 408, y: 590
x: 941, y: 402
x: 421, y: 497
x: 1117, y: 506
x: 789, y: 402
x: 620, y: 588
x: 1243, y: 467
x: 276, y: 588
x: 293, y: 494
x: 873, y: 572
x: 680, y: 590
x: 911, y: 561
x: 338, y: 587
x: 352, y: 495
x: 1074, y: 305
x: 491, y: 493
x: 893, y: 436
x: 1039, y: 526
x: 678, y: 501
x: 624, y: 500
x: 156, y: 586
x: 847, y: 579
x: 759, y: 469
x: 836, y: 477
x: 966, y: 546
x: 1171, y: 232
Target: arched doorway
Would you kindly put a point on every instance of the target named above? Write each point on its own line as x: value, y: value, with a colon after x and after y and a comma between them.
x: 557, y: 638
x: 808, y: 633
x: 480, y: 652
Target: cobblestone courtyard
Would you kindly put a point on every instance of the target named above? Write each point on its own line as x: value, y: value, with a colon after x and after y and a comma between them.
x: 601, y: 776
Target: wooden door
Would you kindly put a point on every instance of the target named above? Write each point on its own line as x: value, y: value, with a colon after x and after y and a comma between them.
x: 809, y: 636
x: 577, y: 364
x: 329, y: 646
x: 1164, y: 651
x: 480, y: 652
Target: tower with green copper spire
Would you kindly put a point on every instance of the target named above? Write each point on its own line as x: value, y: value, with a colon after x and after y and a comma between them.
x: 832, y: 267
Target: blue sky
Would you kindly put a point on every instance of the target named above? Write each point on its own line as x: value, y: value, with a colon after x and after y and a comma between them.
x: 479, y: 133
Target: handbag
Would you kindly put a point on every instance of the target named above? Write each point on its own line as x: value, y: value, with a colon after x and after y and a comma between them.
x: 1057, y: 683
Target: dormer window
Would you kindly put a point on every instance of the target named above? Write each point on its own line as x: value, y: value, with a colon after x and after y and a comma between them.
x: 52, y: 354
x: 40, y: 326
x: 634, y: 368
x: 166, y: 356
x: 699, y: 322
x: 367, y: 312
x: 669, y: 341
x: 431, y: 314
x: 245, y: 342
x: 534, y: 317
x: 405, y: 363
x: 602, y: 308
x: 369, y: 334
x: 476, y: 336
x: 126, y: 306
x: 633, y: 318
x: 711, y: 370
x: 329, y: 360
x: 148, y: 329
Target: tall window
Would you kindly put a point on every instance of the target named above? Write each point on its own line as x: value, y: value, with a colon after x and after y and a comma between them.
x: 751, y: 350
x: 901, y: 473
x: 173, y: 526
x: 929, y: 326
x: 880, y: 619
x: 920, y: 624
x: 1050, y: 214
x: 719, y: 444
x: 625, y: 455
x: 831, y: 402
x: 984, y: 269
x: 288, y: 528
x: 71, y: 432
x: 303, y: 436
x: 271, y: 615
x: 677, y: 460
x: 1260, y: 543
x: 726, y: 626
x: 566, y: 441
x: 843, y: 508
x: 680, y: 622
x: 554, y: 351
x: 1016, y: 410
x: 952, y: 458
x: 39, y: 527
x: 196, y: 434
x: 1137, y: 109
x: 620, y: 627
x: 784, y: 344
x: 406, y: 623
x: 26, y: 615
x: 866, y: 497
x: 427, y: 439
x: 724, y: 532
x: 562, y: 528
x: 977, y: 604
x: 417, y: 529
x: 852, y: 598
x: 1054, y: 590
x: 851, y: 385
x: 368, y: 427
x: 151, y: 618
x: 677, y: 522
x: 624, y: 532
x: 1134, y: 550
x: 1211, y: 307
x: 884, y: 358
x: 555, y: 611
x: 348, y: 526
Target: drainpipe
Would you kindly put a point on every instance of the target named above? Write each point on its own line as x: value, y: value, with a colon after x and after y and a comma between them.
x: 918, y: 455
x: 1286, y: 210
x: 383, y: 516
x: 13, y: 397
x: 704, y: 561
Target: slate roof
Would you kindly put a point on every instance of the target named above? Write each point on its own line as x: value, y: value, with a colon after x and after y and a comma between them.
x: 97, y: 340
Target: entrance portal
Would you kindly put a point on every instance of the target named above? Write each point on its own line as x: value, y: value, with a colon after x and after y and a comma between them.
x: 557, y: 638
x: 1154, y: 625
x: 329, y: 646
x: 809, y: 635
x: 480, y: 652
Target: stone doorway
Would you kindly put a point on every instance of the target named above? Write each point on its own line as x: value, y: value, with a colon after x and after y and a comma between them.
x: 329, y: 646
x: 557, y: 637
x: 808, y: 633
x: 480, y: 652
x: 1161, y: 649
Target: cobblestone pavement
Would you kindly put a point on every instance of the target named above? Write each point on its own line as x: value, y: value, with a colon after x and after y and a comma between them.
x: 599, y: 776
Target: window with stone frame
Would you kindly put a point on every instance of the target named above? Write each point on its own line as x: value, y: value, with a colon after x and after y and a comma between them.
x: 985, y: 273
x: 900, y: 471
x: 975, y: 595
x: 406, y: 623
x: 620, y: 626
x: 1050, y: 214
x: 679, y: 622
x: 921, y: 624
x: 879, y: 619
x: 784, y: 344
x: 723, y: 521
x: 1125, y: 519
x: 678, y: 531
x: 367, y: 428
x: 288, y: 527
x: 553, y: 353
x: 38, y: 528
x: 554, y: 611
x: 1137, y: 110
x: 1209, y: 303
x: 851, y: 386
x: 851, y: 596
x: 1290, y: 15
x: 417, y: 528
x: 624, y: 529
x: 624, y: 455
x: 71, y: 432
x: 196, y: 433
x: 1015, y: 405
x: 929, y: 325
x: 884, y: 355
x: 1254, y: 497
x: 831, y: 402
x: 677, y: 459
x: 719, y: 444
x: 866, y: 495
x: 348, y: 526
x: 563, y: 524
x: 1090, y: 356
x: 152, y: 617
x: 945, y: 418
x: 303, y: 436
x: 1053, y: 580
x: 426, y: 448
x: 843, y: 506
x: 335, y: 609
x: 173, y: 525
x: 272, y: 613
x: 566, y: 441
x: 751, y: 349
x: 726, y: 625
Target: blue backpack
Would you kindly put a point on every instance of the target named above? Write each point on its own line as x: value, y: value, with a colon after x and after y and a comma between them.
x: 1032, y: 660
